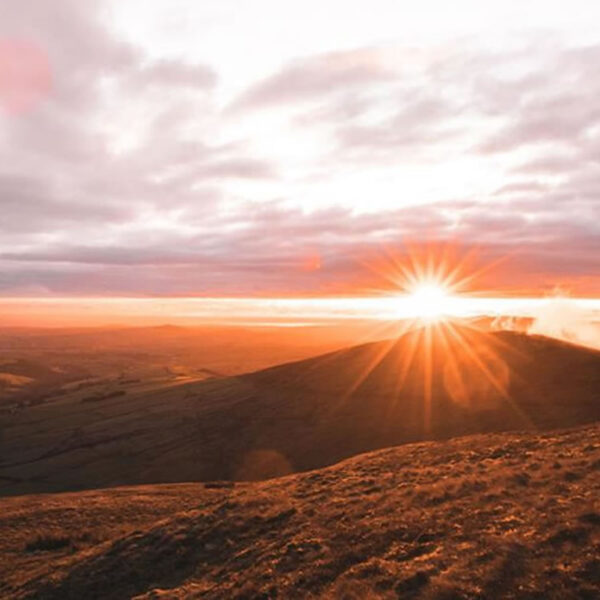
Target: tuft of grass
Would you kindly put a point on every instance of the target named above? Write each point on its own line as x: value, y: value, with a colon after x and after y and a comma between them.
x: 100, y: 397
x: 48, y: 543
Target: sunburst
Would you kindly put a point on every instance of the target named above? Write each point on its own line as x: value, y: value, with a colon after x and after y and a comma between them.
x: 429, y: 281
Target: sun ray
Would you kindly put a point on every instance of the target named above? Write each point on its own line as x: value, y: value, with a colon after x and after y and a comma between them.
x: 375, y: 361
x: 495, y: 381
x: 470, y: 352
x: 428, y: 379
x: 433, y: 348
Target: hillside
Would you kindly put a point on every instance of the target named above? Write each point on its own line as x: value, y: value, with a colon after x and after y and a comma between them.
x: 37, y: 366
x: 302, y: 415
x: 489, y: 516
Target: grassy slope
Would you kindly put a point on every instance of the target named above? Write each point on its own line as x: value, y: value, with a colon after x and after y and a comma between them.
x: 294, y: 417
x: 489, y: 516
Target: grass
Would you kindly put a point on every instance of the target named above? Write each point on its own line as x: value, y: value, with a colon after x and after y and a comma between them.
x: 471, y: 518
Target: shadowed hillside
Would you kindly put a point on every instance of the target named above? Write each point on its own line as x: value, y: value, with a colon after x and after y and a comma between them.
x: 428, y: 384
x: 494, y: 516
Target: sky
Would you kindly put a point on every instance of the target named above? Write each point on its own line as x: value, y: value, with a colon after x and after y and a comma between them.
x: 231, y: 148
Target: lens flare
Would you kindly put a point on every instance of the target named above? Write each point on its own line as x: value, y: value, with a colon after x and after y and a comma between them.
x: 452, y: 356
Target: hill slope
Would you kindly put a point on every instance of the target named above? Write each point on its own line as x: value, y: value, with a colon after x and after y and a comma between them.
x: 494, y: 516
x: 306, y: 414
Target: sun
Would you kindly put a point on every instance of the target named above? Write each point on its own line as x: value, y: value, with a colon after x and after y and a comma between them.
x: 429, y: 282
x: 429, y: 300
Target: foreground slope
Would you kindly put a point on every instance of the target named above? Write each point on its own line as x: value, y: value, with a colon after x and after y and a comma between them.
x: 489, y: 516
x: 304, y: 415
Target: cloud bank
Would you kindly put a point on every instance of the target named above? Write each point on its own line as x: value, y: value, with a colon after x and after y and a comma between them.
x: 128, y: 175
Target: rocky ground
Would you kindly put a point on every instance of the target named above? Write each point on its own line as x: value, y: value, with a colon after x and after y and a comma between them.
x: 487, y: 516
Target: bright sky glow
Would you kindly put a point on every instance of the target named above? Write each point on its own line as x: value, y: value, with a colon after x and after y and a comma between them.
x: 430, y: 300
x: 273, y: 311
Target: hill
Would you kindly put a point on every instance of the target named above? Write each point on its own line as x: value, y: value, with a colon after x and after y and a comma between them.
x: 38, y: 366
x: 488, y: 516
x: 425, y: 385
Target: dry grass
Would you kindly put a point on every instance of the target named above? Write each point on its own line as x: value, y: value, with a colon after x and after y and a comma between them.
x: 490, y: 516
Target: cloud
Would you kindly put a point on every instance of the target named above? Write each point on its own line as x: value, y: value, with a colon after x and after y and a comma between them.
x: 245, y: 168
x: 567, y: 320
x: 317, y: 77
x: 521, y: 187
x: 539, y: 96
x: 174, y: 73
x: 117, y: 137
x: 551, y: 163
x: 419, y: 123
x: 559, y: 109
x: 30, y: 206
x: 266, y: 247
x: 131, y: 174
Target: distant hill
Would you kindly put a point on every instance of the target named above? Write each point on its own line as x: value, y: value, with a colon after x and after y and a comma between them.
x: 303, y: 415
x: 39, y: 365
x: 512, y: 516
x: 22, y: 378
